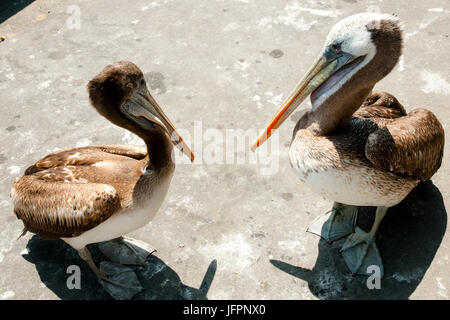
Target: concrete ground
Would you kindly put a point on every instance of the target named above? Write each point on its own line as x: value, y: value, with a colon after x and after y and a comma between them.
x: 227, y: 230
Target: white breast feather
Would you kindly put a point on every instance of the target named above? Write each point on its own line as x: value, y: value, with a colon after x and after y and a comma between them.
x: 349, y: 182
x: 125, y: 221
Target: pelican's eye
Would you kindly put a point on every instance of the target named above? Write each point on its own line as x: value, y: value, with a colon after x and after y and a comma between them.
x: 142, y: 82
x: 336, y: 47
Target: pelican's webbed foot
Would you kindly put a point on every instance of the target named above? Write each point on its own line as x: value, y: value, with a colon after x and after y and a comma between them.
x: 126, y: 251
x: 337, y: 224
x: 360, y: 252
x: 119, y: 281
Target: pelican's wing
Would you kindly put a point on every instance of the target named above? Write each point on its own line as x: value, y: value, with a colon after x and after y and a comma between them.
x: 63, y: 195
x: 56, y: 203
x: 380, y: 105
x: 85, y: 156
x: 135, y: 152
x: 410, y: 146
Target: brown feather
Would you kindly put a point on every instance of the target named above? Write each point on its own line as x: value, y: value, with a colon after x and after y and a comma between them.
x: 411, y: 145
x: 381, y: 134
x: 73, y: 190
x: 380, y: 105
x: 88, y: 155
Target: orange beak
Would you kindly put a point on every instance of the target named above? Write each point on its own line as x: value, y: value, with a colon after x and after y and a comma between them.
x: 317, y: 74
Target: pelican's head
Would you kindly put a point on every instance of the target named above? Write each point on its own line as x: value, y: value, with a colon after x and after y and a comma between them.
x: 120, y: 94
x: 351, y: 44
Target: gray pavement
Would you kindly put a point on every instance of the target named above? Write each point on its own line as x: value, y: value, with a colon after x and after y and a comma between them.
x: 226, y: 230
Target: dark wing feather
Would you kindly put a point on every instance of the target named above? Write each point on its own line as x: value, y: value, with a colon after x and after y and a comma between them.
x: 411, y: 145
x: 380, y: 105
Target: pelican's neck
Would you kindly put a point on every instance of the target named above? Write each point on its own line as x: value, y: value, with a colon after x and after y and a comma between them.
x: 159, y: 148
x: 156, y: 167
x: 336, y: 111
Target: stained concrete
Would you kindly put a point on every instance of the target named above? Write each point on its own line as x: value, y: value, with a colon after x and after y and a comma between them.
x: 225, y: 231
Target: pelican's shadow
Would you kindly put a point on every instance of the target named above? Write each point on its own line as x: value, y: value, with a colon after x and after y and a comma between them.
x: 8, y: 8
x: 408, y: 239
x: 53, y: 257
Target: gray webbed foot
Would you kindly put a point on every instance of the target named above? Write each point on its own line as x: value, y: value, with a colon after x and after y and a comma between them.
x: 360, y: 251
x: 337, y: 224
x: 119, y: 281
x: 126, y: 251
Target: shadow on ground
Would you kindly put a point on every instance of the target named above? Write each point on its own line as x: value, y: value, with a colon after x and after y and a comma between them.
x: 408, y: 239
x: 8, y: 8
x: 52, y: 257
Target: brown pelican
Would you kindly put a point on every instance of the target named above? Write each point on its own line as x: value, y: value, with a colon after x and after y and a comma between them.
x: 97, y: 193
x: 356, y: 147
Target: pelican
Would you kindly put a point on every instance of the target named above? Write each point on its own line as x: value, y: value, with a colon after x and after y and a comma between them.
x: 97, y: 193
x: 358, y: 147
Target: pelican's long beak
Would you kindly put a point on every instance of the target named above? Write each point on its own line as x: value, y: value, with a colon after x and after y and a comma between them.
x: 321, y: 70
x: 159, y: 117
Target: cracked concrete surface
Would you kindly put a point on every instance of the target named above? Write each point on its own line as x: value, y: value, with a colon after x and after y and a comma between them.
x: 225, y: 231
